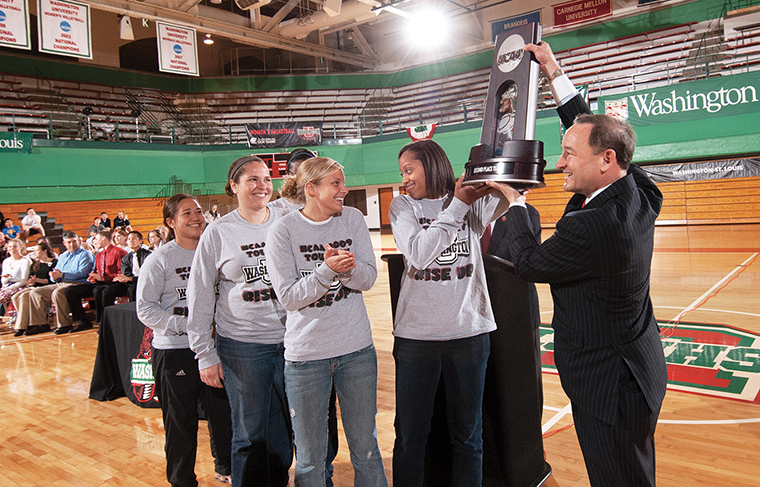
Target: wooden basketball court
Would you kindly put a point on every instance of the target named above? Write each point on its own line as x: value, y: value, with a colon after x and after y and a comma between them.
x: 703, y: 277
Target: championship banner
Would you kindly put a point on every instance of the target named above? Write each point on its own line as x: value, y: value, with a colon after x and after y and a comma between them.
x: 580, y: 11
x: 694, y: 100
x: 698, y: 171
x: 177, y: 49
x: 15, y: 142
x: 501, y: 25
x: 14, y: 24
x: 64, y: 28
x: 284, y: 134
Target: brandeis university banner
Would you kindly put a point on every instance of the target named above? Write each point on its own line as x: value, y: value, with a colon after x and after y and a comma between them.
x: 64, y: 28
x: 695, y: 100
x: 295, y: 134
x: 14, y: 24
x: 177, y: 49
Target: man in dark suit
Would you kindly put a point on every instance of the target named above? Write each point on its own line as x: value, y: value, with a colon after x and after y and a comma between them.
x: 606, y: 340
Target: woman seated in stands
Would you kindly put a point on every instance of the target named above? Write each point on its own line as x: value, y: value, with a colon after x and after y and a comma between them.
x: 162, y: 306
x: 31, y: 224
x: 45, y: 261
x: 15, y: 271
x: 119, y: 238
x: 155, y: 240
x: 131, y: 264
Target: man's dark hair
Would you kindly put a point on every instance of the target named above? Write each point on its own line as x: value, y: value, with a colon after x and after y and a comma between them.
x: 608, y: 132
x: 139, y: 235
x: 106, y: 234
x: 70, y: 234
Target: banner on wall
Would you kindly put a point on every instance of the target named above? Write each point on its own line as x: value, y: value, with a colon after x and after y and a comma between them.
x: 698, y: 171
x: 580, y: 11
x: 16, y: 142
x: 64, y: 28
x: 177, y: 49
x: 14, y: 24
x: 695, y: 100
x: 284, y: 134
x: 501, y: 25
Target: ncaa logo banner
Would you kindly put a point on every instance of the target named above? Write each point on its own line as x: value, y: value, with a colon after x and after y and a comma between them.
x: 16, y: 142
x: 177, y: 49
x: 695, y: 100
x: 709, y: 359
x: 14, y: 24
x: 64, y: 28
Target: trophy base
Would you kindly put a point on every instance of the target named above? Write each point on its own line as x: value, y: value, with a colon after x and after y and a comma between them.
x: 521, y: 165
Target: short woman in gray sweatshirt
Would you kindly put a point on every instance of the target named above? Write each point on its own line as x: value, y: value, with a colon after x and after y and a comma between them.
x: 443, y: 315
x: 321, y: 260
x: 250, y: 326
x: 162, y: 306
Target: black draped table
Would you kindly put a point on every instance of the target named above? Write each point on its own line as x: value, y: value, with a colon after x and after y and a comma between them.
x: 122, y: 364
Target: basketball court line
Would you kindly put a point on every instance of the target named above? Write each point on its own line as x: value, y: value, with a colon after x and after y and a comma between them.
x: 702, y: 299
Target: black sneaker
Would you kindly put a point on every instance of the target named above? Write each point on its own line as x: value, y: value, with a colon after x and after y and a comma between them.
x: 63, y: 329
x: 36, y: 329
x: 19, y: 333
x: 81, y: 326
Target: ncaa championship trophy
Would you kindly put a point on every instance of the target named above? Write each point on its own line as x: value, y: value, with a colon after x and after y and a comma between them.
x: 506, y: 152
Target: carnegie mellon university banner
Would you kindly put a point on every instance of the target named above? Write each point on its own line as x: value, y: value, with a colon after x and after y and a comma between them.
x: 282, y: 134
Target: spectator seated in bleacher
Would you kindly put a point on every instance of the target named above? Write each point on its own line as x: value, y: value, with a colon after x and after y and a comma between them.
x: 96, y: 227
x: 107, y: 267
x: 109, y: 133
x: 44, y: 261
x: 31, y: 224
x: 212, y: 214
x: 72, y: 270
x: 131, y: 263
x: 156, y: 238
x: 10, y: 230
x: 15, y: 271
x: 122, y: 220
x: 105, y: 221
x: 119, y: 238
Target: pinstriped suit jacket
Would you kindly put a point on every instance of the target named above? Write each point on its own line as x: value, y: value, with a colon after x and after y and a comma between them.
x: 598, y: 264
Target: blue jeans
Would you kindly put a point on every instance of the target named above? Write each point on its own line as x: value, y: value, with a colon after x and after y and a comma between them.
x: 262, y: 448
x: 308, y: 385
x: 461, y: 367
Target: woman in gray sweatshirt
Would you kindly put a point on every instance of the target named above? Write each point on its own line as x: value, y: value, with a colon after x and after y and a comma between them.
x: 443, y: 315
x: 250, y: 325
x: 162, y: 306
x: 321, y: 260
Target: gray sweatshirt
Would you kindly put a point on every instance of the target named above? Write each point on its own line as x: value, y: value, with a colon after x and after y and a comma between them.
x: 231, y: 255
x: 443, y: 290
x: 326, y: 313
x: 161, y: 295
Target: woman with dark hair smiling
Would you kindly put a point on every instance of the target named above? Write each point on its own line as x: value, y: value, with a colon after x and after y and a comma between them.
x: 247, y: 355
x: 162, y: 306
x: 443, y: 315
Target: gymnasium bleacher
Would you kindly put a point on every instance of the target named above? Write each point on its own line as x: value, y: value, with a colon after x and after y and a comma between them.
x: 648, y: 60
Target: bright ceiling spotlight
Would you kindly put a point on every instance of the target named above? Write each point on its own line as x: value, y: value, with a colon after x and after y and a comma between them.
x: 427, y: 28
x: 208, y: 40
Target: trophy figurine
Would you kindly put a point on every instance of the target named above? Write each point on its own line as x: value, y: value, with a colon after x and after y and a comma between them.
x: 506, y: 152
